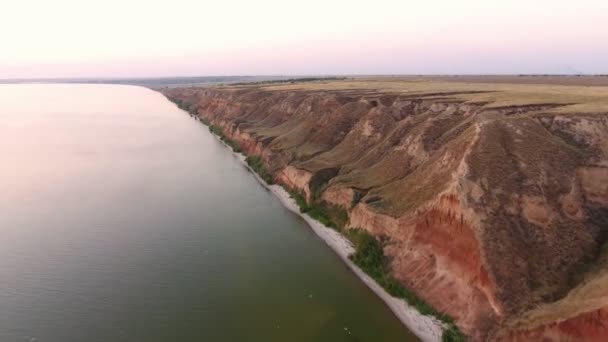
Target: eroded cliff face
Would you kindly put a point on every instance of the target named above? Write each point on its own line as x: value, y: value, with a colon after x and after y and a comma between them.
x: 435, y: 253
x: 485, y: 212
x: 295, y: 178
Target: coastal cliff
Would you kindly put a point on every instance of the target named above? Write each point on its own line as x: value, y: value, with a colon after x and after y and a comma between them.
x: 490, y: 201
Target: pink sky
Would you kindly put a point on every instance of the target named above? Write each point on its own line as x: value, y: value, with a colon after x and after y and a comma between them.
x: 119, y: 38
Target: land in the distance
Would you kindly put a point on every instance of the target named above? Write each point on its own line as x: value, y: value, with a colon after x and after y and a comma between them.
x: 154, y: 82
x: 487, y: 195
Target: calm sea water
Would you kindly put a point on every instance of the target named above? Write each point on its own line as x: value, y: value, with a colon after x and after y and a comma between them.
x: 122, y: 219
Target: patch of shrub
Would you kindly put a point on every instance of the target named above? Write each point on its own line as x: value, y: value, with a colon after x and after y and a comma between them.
x: 320, y: 215
x: 212, y: 128
x: 220, y: 133
x: 257, y: 165
x: 183, y: 105
x: 329, y: 215
x: 300, y: 200
x: 453, y: 334
x: 369, y: 255
x: 338, y: 215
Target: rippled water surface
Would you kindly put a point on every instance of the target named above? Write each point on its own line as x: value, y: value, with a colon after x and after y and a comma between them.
x: 122, y: 219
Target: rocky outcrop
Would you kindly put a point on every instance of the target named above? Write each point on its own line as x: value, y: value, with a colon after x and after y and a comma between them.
x: 485, y: 212
x: 340, y: 196
x: 297, y: 179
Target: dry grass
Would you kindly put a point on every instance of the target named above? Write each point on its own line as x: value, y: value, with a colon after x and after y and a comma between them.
x: 425, y: 182
x: 370, y: 163
x: 589, y: 296
x: 573, y: 99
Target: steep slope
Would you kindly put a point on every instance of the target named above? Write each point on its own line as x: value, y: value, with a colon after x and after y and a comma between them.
x: 489, y: 200
x: 581, y: 315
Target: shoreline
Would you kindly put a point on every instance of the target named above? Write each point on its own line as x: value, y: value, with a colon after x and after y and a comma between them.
x: 426, y: 328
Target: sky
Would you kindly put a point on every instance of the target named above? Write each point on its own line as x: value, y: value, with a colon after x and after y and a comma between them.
x: 132, y: 38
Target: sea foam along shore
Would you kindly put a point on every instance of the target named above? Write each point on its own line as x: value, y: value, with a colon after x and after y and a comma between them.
x: 426, y: 328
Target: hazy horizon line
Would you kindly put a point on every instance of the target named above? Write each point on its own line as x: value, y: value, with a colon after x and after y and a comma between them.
x: 304, y: 75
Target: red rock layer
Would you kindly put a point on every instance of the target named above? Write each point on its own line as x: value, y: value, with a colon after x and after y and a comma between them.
x: 436, y: 254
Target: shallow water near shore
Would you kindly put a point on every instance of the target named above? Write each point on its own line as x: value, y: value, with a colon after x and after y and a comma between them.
x: 123, y: 219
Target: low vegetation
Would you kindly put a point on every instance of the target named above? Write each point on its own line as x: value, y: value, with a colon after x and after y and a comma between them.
x: 217, y: 130
x: 184, y: 105
x: 257, y: 165
x: 329, y: 215
x: 181, y: 104
x: 220, y: 133
x: 369, y: 256
x: 496, y: 94
x: 453, y: 334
